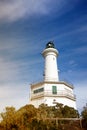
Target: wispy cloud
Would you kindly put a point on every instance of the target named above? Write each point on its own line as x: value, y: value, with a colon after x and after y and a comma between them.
x: 76, y: 30
x: 7, y: 70
x: 16, y: 9
x: 73, y: 73
x: 22, y: 42
x: 15, y: 95
x: 78, y: 79
x: 14, y: 65
x: 81, y: 94
x: 81, y: 50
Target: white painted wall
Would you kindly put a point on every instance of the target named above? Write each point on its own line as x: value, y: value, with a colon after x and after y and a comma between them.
x: 62, y: 100
x: 50, y: 69
x: 64, y: 92
x: 50, y: 101
x: 64, y: 95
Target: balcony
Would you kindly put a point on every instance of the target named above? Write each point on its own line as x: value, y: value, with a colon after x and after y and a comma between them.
x: 64, y: 94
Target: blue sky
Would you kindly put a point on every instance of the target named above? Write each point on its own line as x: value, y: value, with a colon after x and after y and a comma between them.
x: 25, y: 28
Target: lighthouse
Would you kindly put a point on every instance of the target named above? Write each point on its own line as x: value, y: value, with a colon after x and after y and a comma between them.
x: 51, y: 90
x: 50, y: 55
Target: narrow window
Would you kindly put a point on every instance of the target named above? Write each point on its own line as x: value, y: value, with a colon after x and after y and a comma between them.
x: 38, y: 90
x: 54, y: 89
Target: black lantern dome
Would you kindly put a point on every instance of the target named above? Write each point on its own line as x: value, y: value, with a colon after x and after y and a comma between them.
x: 50, y: 45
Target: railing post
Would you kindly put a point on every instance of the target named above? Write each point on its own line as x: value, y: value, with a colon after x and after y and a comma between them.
x: 80, y: 122
x: 57, y: 122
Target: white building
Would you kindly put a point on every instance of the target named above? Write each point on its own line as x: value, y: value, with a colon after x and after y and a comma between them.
x: 51, y: 91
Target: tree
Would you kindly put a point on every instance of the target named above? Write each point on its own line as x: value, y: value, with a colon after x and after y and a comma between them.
x: 30, y: 118
x: 8, y: 118
x: 69, y: 112
x: 18, y: 120
x: 84, y: 116
x: 25, y: 115
x: 58, y: 110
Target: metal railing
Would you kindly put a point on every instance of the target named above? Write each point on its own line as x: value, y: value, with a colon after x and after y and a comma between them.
x: 50, y: 94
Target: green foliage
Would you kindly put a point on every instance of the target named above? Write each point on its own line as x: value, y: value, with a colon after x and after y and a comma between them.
x: 84, y: 115
x: 84, y: 112
x: 8, y: 118
x: 70, y: 112
x: 30, y: 118
x: 25, y: 115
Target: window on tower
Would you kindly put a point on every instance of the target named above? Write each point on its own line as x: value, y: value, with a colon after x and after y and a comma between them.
x: 38, y: 90
x: 54, y: 89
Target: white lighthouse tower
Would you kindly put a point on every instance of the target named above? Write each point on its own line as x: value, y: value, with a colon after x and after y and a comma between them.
x: 50, y: 71
x: 51, y: 91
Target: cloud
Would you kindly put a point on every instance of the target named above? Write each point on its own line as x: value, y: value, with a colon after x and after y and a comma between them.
x: 7, y: 70
x: 72, y: 73
x: 13, y: 10
x: 16, y: 9
x: 81, y: 94
x: 17, y: 60
x: 17, y: 71
x: 81, y: 50
x: 72, y: 63
x: 76, y: 30
x: 15, y: 95
x: 79, y: 80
